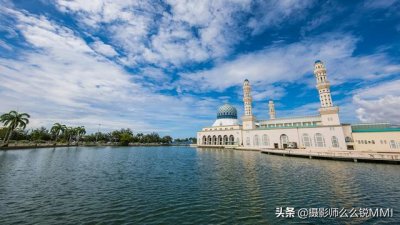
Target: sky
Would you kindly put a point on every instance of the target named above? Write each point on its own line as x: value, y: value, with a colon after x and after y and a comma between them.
x: 166, y: 66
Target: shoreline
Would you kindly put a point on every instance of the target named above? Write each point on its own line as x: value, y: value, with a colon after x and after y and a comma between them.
x: 349, y: 155
x: 356, y: 156
x: 34, y: 146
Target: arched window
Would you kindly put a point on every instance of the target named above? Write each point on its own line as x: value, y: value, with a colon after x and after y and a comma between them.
x: 306, y: 140
x: 256, y: 140
x: 265, y: 140
x: 348, y: 139
x: 219, y: 139
x: 335, y: 142
x: 231, y: 140
x: 214, y: 140
x: 209, y: 140
x: 248, y: 141
x: 319, y: 140
x: 392, y: 144
x: 204, y: 140
x: 284, y: 139
x: 225, y: 140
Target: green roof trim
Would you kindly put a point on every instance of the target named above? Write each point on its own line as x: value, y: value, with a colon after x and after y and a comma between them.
x: 370, y: 125
x: 285, y: 127
x: 377, y: 130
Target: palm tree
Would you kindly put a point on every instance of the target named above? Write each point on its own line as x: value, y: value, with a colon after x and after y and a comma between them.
x: 13, y: 120
x: 79, y: 131
x: 140, y: 137
x: 57, y: 130
x: 69, y: 133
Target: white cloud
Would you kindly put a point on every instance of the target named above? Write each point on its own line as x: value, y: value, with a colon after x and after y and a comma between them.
x: 5, y: 45
x: 325, y: 13
x: 172, y: 33
x: 261, y: 110
x: 384, y: 109
x: 380, y: 103
x: 268, y: 93
x: 63, y: 80
x: 104, y: 49
x: 379, y: 4
x: 155, y: 74
x: 292, y: 62
x: 272, y: 13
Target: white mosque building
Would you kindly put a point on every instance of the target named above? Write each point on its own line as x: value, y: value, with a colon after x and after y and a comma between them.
x: 322, y: 131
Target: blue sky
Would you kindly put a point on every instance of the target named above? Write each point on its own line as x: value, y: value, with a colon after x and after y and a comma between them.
x: 167, y: 66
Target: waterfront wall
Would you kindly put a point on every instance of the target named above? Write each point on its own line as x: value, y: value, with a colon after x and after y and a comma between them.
x: 274, y: 137
x: 377, y: 141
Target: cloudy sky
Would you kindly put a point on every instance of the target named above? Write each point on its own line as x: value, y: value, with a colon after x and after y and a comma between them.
x: 166, y: 66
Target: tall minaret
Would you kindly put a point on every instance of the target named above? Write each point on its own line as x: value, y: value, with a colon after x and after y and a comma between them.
x: 323, y: 84
x: 329, y: 113
x: 248, y: 118
x: 247, y: 98
x: 271, y: 106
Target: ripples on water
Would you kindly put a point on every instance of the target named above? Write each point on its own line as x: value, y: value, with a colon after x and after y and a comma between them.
x: 181, y: 185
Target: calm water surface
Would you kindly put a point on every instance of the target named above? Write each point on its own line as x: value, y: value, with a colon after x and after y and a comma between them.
x: 182, y: 185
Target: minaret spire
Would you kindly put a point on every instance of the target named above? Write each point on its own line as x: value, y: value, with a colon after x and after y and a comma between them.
x: 323, y: 84
x: 247, y: 98
x: 271, y: 106
x: 329, y: 113
x: 248, y: 118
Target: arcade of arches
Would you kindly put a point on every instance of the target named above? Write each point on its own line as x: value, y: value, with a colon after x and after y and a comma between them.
x: 219, y: 140
x: 264, y: 140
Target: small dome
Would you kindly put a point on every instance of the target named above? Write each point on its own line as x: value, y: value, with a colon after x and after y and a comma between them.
x: 318, y: 61
x: 227, y: 112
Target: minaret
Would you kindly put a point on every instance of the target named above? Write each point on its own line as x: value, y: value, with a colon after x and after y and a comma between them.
x: 247, y: 98
x: 248, y: 118
x: 329, y: 112
x: 323, y: 84
x: 271, y: 107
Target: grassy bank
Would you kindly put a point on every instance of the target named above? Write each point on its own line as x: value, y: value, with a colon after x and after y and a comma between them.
x: 24, y: 145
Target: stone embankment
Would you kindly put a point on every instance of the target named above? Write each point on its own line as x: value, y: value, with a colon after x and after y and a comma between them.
x: 21, y: 146
x: 343, y: 155
x: 347, y: 155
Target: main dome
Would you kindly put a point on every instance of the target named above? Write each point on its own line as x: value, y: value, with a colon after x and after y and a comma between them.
x: 227, y: 112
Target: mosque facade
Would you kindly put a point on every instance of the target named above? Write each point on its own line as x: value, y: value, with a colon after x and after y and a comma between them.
x: 321, y: 131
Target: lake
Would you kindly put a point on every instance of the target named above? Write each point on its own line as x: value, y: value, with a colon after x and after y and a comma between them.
x: 182, y: 185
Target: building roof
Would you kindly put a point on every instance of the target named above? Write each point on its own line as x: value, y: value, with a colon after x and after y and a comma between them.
x: 377, y: 130
x: 285, y: 127
x: 227, y: 111
x: 315, y: 118
x: 374, y: 127
x: 225, y: 122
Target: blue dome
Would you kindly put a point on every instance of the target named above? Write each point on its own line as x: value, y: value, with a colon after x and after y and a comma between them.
x: 227, y: 112
x: 318, y: 61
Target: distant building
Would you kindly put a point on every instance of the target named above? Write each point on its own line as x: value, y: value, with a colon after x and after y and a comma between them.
x: 321, y: 131
x: 372, y: 137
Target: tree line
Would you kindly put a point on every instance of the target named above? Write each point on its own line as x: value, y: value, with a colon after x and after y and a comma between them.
x: 15, y: 124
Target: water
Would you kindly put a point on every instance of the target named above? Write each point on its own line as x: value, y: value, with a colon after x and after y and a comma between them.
x: 182, y: 185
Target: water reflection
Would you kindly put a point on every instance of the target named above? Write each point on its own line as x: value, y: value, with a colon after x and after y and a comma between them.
x: 166, y: 185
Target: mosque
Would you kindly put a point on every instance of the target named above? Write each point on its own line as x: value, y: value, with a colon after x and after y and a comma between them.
x: 322, y: 131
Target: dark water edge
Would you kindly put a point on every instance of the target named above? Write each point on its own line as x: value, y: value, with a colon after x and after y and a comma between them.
x: 34, y: 146
x: 182, y: 185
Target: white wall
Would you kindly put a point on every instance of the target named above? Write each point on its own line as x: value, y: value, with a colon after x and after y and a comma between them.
x: 295, y: 135
x: 236, y: 133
